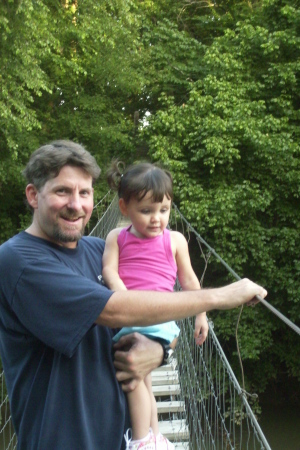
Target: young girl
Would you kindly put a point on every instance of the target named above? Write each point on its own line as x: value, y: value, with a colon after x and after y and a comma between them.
x: 147, y: 256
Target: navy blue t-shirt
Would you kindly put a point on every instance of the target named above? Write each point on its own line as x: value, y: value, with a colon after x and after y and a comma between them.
x: 58, y: 364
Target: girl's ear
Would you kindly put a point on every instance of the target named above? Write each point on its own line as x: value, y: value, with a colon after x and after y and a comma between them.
x: 32, y: 195
x: 123, y: 207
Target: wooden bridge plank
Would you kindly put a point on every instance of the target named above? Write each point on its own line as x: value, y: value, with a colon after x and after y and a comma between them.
x: 164, y: 373
x: 172, y: 389
x: 164, y: 378
x: 174, y: 430
x: 168, y: 367
x: 181, y: 445
x: 170, y: 406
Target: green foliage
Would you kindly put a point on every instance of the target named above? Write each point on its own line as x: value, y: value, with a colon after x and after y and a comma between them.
x: 233, y: 147
x: 68, y: 71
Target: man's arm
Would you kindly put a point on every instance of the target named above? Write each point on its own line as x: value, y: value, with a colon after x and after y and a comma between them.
x: 143, y: 308
x: 136, y: 355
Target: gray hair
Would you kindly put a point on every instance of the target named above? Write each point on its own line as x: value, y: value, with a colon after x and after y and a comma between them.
x: 47, y: 161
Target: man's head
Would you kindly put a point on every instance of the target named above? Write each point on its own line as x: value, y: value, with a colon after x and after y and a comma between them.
x: 60, y: 191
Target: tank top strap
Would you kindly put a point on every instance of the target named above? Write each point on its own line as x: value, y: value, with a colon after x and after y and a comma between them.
x: 168, y: 246
x: 122, y: 236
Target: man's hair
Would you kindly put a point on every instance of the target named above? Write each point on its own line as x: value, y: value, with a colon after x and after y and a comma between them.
x: 47, y: 161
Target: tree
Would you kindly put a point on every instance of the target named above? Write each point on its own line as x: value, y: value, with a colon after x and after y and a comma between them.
x: 233, y: 147
x: 70, y: 70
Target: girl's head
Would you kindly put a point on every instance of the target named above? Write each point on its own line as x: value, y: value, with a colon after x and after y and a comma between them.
x: 145, y: 195
x: 139, y: 179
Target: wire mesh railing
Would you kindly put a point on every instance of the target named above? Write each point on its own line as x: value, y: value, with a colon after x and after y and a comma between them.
x: 109, y: 215
x: 8, y: 439
x: 216, y: 411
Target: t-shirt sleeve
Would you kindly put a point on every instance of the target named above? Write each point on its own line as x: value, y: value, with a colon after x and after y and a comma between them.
x: 57, y: 305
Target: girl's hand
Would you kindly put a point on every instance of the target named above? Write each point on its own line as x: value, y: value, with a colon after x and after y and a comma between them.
x: 201, y: 329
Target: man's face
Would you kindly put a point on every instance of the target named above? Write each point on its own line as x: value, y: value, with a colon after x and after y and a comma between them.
x: 63, y: 207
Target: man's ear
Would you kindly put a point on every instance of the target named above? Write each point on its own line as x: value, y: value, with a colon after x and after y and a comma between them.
x: 123, y: 207
x: 32, y: 195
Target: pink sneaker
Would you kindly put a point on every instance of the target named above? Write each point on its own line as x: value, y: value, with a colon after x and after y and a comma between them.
x: 148, y: 443
x: 162, y: 443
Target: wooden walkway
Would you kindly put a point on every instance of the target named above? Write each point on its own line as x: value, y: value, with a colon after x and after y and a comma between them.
x: 166, y: 388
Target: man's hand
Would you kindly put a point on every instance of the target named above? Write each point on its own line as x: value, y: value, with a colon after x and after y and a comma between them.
x: 238, y: 293
x: 135, y: 357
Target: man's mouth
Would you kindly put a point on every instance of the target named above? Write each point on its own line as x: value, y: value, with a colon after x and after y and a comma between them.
x: 72, y: 218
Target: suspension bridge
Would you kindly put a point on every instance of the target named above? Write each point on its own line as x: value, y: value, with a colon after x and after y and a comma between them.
x: 201, y: 404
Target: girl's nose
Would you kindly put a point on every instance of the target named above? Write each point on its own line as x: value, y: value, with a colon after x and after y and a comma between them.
x: 155, y: 217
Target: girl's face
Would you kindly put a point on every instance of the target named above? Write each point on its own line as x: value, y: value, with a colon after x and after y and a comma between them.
x: 148, y: 219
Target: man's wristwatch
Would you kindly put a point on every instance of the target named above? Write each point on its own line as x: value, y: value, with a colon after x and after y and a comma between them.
x: 168, y: 353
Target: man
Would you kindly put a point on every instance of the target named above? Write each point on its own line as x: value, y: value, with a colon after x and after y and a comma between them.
x: 57, y: 320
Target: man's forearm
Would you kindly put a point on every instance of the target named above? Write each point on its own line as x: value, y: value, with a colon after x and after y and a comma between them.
x: 143, y: 308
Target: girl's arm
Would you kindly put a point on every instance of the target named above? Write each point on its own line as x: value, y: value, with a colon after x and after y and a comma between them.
x: 188, y: 280
x: 110, y: 261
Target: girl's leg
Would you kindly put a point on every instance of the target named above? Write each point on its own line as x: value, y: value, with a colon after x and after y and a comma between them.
x: 148, y: 383
x: 154, y: 418
x: 174, y: 343
x: 139, y: 403
x: 161, y: 442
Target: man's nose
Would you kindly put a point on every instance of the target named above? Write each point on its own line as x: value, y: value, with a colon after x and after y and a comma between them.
x: 74, y: 201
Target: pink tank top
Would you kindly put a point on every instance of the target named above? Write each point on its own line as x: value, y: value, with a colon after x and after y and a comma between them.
x: 146, y: 264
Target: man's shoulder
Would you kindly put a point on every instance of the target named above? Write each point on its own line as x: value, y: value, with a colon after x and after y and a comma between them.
x: 11, y: 240
x: 22, y: 250
x: 11, y: 245
x: 14, y: 257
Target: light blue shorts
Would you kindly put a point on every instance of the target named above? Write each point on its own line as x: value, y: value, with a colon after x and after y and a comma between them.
x: 167, y: 331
